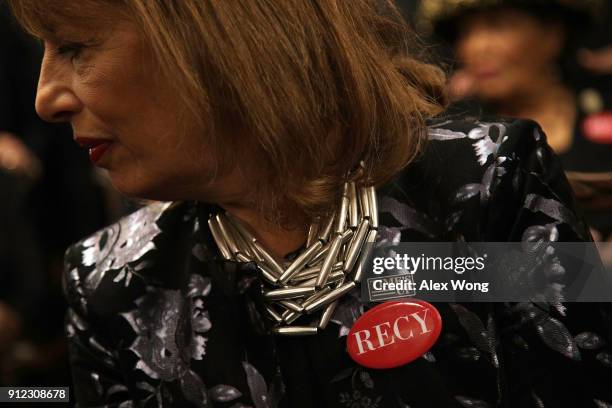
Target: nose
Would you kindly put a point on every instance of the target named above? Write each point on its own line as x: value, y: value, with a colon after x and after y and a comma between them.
x: 55, y: 98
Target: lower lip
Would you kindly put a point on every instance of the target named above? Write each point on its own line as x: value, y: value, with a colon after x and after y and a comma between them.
x: 96, y: 153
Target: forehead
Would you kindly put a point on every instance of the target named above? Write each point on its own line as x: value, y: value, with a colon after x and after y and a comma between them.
x: 498, y: 19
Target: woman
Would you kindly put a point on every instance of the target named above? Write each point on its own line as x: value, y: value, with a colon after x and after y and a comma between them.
x: 517, y: 58
x: 256, y: 118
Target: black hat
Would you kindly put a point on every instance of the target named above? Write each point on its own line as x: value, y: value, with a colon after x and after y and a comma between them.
x: 440, y: 16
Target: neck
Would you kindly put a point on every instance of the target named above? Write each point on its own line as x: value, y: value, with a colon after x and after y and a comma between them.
x: 229, y: 192
x: 553, y: 106
x: 540, y: 99
x: 278, y: 239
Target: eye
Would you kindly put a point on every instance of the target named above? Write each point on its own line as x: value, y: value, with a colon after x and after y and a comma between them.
x: 70, y: 50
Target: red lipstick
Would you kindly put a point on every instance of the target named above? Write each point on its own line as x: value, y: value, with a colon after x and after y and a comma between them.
x: 97, y: 147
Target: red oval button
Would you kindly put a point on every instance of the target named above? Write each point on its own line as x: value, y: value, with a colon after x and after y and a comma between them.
x: 394, y: 333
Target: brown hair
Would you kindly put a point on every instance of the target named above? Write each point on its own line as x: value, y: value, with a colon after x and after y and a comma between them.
x: 316, y: 86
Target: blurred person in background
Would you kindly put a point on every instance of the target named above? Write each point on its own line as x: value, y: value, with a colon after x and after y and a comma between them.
x: 49, y: 198
x: 517, y: 58
x: 21, y: 268
x: 595, y: 54
x: 599, y: 61
x: 595, y: 57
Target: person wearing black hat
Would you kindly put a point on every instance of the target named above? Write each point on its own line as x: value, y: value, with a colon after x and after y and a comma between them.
x: 516, y: 59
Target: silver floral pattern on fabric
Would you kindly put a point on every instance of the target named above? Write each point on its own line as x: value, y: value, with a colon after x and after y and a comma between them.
x: 471, y: 402
x: 123, y: 242
x: 589, y: 341
x: 159, y: 321
x: 484, y: 144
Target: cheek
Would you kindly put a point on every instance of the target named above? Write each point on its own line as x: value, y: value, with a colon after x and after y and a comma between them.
x: 523, y: 55
x: 160, y: 165
x: 157, y: 158
x: 466, y: 51
x: 515, y: 50
x: 152, y: 176
x: 538, y: 59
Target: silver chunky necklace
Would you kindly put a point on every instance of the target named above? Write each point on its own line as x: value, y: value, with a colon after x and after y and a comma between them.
x: 322, y: 273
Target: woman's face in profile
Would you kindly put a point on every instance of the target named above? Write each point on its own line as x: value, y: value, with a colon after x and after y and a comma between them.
x: 507, y: 52
x: 105, y: 83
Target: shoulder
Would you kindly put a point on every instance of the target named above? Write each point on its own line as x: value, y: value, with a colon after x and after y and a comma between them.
x: 489, y: 151
x: 476, y: 178
x: 462, y: 151
x: 486, y: 138
x: 470, y: 149
x: 117, y: 251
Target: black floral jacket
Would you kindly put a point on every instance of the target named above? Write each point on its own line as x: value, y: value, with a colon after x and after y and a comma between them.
x: 157, y: 318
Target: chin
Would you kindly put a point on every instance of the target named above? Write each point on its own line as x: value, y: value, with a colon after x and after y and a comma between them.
x: 492, y: 93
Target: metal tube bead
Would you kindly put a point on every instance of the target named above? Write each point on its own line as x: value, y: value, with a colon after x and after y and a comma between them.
x: 295, y: 330
x: 369, y: 246
x: 347, y: 235
x: 329, y: 261
x: 292, y: 306
x: 342, y: 252
x: 373, y: 203
x: 346, y: 238
x: 320, y: 256
x: 293, y: 318
x: 245, y: 235
x: 313, y: 272
x: 256, y: 254
x: 353, y: 209
x: 312, y: 232
x: 316, y: 296
x: 269, y: 259
x: 267, y: 273
x: 334, y: 277
x: 218, y: 237
x: 273, y: 314
x: 290, y: 316
x: 355, y: 245
x: 300, y: 262
x: 345, y: 189
x: 306, y: 273
x: 326, y: 230
x: 330, y: 297
x: 327, y: 315
x: 243, y: 246
x: 241, y: 228
x: 364, y: 202
x: 242, y: 258
x: 308, y: 282
x: 289, y: 293
x: 341, y: 218
x: 227, y: 235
